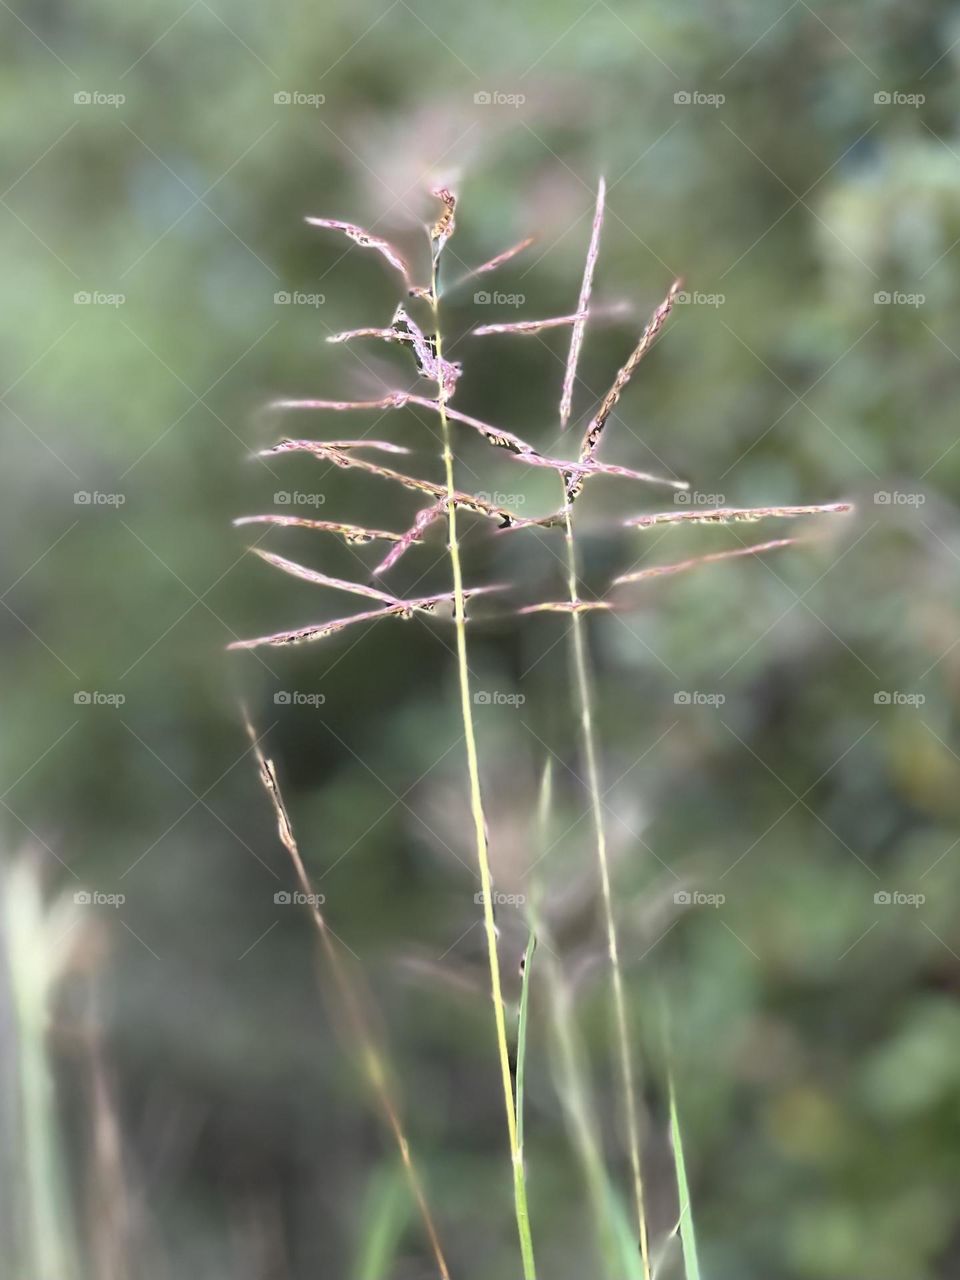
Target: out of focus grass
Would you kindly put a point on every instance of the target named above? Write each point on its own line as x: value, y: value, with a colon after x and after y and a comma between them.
x: 815, y: 1031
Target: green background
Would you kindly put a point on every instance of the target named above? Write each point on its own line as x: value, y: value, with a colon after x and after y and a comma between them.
x: 816, y: 1033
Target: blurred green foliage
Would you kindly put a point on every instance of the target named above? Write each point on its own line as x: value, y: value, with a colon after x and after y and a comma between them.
x: 815, y: 1030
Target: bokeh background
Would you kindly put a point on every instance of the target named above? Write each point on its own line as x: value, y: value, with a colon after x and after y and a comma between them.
x: 176, y: 1099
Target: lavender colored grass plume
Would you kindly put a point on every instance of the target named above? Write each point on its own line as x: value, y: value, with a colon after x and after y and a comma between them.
x: 628, y: 1242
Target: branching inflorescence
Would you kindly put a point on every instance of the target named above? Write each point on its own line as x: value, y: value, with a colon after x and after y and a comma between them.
x: 443, y: 500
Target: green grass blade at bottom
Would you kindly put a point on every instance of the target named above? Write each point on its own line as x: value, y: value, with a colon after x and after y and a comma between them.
x: 688, y: 1238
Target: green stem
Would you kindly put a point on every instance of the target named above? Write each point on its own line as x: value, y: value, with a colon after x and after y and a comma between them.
x: 581, y: 677
x: 522, y: 1032
x: 479, y: 823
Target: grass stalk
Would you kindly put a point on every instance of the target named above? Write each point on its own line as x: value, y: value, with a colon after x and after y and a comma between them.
x: 361, y: 1032
x: 479, y: 820
x: 522, y: 1023
x: 614, y: 1238
x: 588, y: 738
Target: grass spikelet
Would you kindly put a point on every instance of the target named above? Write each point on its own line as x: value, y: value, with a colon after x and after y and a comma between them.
x: 391, y: 401
x: 405, y: 330
x: 396, y: 609
x: 365, y: 1042
x: 492, y: 263
x: 586, y: 288
x: 444, y: 226
x: 335, y: 454
x: 352, y: 534
x: 324, y: 579
x: 594, y: 431
x: 736, y: 515
x: 424, y: 519
x: 567, y: 606
x: 555, y: 322
x: 367, y: 240
x: 524, y: 326
x: 500, y: 438
x: 696, y: 562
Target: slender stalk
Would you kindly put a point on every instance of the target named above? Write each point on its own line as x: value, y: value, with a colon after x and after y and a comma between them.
x: 575, y: 1090
x: 361, y: 1032
x: 522, y: 1023
x: 479, y: 820
x: 582, y: 681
